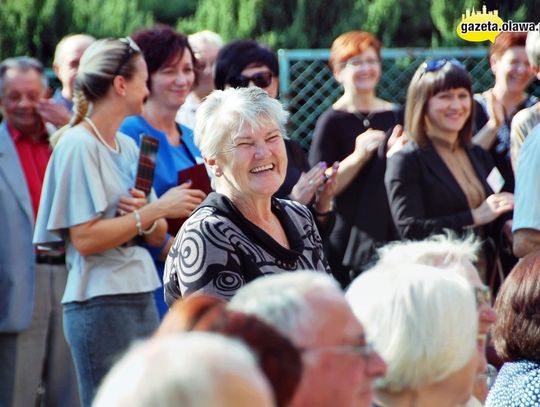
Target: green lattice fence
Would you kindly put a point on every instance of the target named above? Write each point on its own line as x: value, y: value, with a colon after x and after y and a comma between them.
x: 308, y: 88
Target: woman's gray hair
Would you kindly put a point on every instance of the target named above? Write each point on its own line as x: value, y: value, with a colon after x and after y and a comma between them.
x: 224, y: 113
x: 189, y: 370
x: 444, y: 250
x: 283, y: 301
x: 423, y: 322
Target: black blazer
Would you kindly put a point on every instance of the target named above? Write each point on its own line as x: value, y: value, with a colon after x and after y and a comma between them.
x: 424, y: 196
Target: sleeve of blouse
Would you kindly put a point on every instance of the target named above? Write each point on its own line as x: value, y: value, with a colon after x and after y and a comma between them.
x: 518, y: 132
x: 203, y: 258
x: 72, y: 193
x: 324, y: 146
x: 406, y: 203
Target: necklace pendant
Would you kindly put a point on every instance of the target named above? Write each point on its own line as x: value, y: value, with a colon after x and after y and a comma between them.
x: 366, y: 123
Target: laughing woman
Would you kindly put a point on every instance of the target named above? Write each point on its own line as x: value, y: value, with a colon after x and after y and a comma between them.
x: 439, y: 180
x: 241, y: 232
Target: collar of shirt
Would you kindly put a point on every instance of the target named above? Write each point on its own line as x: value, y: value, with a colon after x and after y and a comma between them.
x: 17, y: 135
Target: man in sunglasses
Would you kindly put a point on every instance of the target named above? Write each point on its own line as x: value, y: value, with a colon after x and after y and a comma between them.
x: 310, y: 310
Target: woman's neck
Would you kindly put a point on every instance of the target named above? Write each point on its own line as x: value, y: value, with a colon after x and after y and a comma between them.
x: 160, y: 118
x: 199, y: 94
x: 448, y: 140
x: 256, y: 209
x: 356, y: 101
x: 107, y: 119
x: 510, y: 100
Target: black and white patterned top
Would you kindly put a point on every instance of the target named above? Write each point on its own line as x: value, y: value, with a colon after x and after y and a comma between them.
x: 218, y: 250
x: 517, y: 385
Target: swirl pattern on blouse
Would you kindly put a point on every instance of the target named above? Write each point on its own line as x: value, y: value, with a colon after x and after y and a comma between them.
x: 217, y: 252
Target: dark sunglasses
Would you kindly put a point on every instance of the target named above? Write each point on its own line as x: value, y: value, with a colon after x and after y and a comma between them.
x: 260, y: 79
x: 131, y: 48
x: 433, y: 65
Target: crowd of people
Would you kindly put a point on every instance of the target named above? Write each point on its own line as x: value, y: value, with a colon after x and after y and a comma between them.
x: 229, y: 267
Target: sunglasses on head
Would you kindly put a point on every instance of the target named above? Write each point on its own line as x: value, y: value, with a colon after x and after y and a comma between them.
x: 260, y: 79
x: 433, y: 65
x: 131, y: 48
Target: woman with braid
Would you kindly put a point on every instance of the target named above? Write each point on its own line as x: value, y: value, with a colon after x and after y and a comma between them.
x: 89, y: 202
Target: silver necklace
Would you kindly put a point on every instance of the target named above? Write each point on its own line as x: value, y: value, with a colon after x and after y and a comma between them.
x: 116, y: 148
x: 365, y: 118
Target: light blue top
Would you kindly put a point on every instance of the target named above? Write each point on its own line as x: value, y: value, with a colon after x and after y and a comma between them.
x: 84, y: 181
x: 170, y: 159
x: 527, y: 192
x: 517, y: 385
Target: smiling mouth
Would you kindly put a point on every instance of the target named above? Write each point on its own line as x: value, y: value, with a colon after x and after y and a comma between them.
x: 262, y: 168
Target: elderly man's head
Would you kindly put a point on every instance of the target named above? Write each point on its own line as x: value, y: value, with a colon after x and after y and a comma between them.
x: 310, y: 309
x: 189, y: 370
x: 67, y: 56
x: 22, y: 86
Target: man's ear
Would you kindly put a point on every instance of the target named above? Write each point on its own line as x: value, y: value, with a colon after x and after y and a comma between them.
x: 119, y: 85
x: 56, y: 68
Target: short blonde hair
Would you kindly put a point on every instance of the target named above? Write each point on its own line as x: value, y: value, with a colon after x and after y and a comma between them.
x: 200, y: 39
x: 423, y: 322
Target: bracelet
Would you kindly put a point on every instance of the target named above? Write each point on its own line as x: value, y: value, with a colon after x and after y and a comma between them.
x: 316, y: 212
x: 328, y: 212
x: 138, y: 225
x: 150, y: 229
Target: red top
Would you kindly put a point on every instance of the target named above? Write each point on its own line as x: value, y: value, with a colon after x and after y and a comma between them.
x: 34, y: 156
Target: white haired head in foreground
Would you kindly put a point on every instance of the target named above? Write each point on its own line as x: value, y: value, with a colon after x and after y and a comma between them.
x: 422, y: 322
x: 189, y: 370
x: 444, y: 250
x: 282, y: 300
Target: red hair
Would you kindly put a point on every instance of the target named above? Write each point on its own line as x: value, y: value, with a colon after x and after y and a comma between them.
x: 352, y: 43
x: 278, y: 358
x: 505, y: 41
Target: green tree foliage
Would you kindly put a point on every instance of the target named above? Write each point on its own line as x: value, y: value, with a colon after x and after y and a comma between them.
x: 33, y: 27
x: 293, y: 23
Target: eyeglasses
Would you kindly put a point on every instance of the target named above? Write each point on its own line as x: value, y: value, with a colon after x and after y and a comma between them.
x: 433, y: 65
x: 365, y: 351
x: 131, y: 49
x: 489, y: 375
x: 260, y: 79
x: 357, y: 62
x: 483, y: 296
